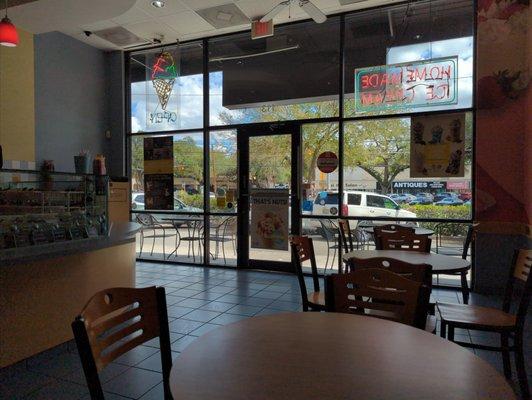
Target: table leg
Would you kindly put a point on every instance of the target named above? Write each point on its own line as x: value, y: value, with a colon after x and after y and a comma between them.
x: 465, y: 288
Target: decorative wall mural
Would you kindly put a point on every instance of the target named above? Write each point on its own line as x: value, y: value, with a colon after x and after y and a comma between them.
x: 163, y: 77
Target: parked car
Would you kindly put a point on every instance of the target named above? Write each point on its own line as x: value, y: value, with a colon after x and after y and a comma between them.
x: 137, y: 203
x: 467, y: 196
x: 445, y: 195
x: 449, y: 201
x: 359, y: 204
x: 402, y: 197
x: 423, y: 198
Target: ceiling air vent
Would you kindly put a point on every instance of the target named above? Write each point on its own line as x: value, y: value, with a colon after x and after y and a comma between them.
x: 121, y: 37
x: 224, y: 16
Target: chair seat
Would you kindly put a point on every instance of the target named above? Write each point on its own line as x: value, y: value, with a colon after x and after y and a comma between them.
x: 475, y: 316
x: 316, y: 299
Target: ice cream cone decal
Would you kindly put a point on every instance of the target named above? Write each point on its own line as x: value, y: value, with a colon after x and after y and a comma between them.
x: 163, y: 77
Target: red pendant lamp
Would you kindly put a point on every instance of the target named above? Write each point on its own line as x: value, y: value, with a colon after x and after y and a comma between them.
x: 8, y: 32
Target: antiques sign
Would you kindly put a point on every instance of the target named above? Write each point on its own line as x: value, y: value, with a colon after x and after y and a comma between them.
x: 407, y: 85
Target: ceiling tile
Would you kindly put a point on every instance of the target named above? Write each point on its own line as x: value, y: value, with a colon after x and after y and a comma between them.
x: 187, y: 22
x: 201, y: 4
x: 97, y: 26
x: 170, y: 7
x: 131, y: 16
x: 152, y: 29
x: 254, y: 9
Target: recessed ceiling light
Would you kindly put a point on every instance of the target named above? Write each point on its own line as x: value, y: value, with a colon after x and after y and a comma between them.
x: 158, y: 3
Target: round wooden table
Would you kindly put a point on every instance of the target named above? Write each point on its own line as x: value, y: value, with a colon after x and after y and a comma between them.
x: 441, y: 264
x: 417, y: 230
x: 330, y: 356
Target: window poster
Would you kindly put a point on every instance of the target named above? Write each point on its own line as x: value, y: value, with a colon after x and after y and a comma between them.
x: 437, y: 146
x: 269, y: 219
x: 159, y: 173
x: 159, y: 192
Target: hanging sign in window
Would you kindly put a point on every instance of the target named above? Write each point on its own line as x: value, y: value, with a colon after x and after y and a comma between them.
x: 407, y: 85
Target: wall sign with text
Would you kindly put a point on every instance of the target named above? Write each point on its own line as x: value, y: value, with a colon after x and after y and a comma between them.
x: 407, y: 85
x: 269, y: 219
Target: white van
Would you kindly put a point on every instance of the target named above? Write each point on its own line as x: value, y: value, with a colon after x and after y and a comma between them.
x: 359, y: 204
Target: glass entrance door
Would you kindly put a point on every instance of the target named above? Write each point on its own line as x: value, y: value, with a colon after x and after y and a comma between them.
x: 268, y: 193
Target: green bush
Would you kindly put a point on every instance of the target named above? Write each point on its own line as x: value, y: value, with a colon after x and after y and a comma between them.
x: 442, y: 212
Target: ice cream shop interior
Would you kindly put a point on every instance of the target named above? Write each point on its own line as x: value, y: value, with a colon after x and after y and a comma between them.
x: 219, y: 199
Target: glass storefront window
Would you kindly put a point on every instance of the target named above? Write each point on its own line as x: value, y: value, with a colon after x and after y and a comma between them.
x: 292, y: 75
x: 378, y: 181
x: 187, y: 172
x: 223, y: 171
x: 318, y: 139
x: 416, y: 57
x: 167, y: 89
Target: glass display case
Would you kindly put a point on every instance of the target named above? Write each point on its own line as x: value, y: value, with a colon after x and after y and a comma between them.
x: 38, y: 207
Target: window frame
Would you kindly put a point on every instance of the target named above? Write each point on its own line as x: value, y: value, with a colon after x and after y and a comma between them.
x: 341, y: 119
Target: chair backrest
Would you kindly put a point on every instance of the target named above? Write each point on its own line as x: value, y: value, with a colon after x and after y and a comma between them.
x: 116, y: 320
x: 416, y: 272
x: 346, y: 235
x: 389, y: 229
x: 303, y: 250
x: 469, y: 239
x: 145, y: 219
x: 329, y: 229
x: 375, y: 292
x: 519, y: 281
x: 421, y: 273
x: 403, y: 241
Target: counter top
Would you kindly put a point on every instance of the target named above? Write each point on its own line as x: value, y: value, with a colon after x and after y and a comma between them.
x: 119, y: 233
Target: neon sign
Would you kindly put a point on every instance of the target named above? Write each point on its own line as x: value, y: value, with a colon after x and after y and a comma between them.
x: 407, y: 85
x: 163, y: 76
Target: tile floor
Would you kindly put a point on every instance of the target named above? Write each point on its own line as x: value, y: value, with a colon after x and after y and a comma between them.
x: 199, y: 300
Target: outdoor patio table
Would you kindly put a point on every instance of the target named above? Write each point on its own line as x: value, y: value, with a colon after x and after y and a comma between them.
x: 193, y: 225
x: 330, y: 356
x: 441, y: 264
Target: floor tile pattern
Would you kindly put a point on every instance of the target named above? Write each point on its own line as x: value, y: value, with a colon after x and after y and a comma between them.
x: 198, y: 300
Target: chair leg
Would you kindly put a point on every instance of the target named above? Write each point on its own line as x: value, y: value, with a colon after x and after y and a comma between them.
x: 141, y: 242
x: 153, y: 244
x: 506, y: 356
x: 465, y: 288
x: 450, y: 333
x: 520, y: 366
x: 443, y: 330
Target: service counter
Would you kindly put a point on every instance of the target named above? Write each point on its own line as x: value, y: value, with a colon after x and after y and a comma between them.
x: 43, y: 288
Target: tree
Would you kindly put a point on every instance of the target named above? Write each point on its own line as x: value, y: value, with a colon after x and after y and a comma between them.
x: 380, y: 147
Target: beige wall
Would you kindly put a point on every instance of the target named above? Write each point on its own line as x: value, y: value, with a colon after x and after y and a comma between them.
x: 17, y: 100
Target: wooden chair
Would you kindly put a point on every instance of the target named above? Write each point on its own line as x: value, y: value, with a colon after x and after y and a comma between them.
x: 403, y: 241
x: 508, y: 324
x: 115, y: 321
x: 389, y: 229
x: 421, y: 273
x: 303, y: 250
x: 346, y: 235
x: 375, y: 292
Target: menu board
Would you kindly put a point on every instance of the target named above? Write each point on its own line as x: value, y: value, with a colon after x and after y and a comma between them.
x: 269, y: 219
x: 437, y: 146
x: 159, y: 173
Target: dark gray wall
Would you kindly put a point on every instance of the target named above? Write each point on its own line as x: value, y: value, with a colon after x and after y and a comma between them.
x: 71, y: 102
x: 115, y: 145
